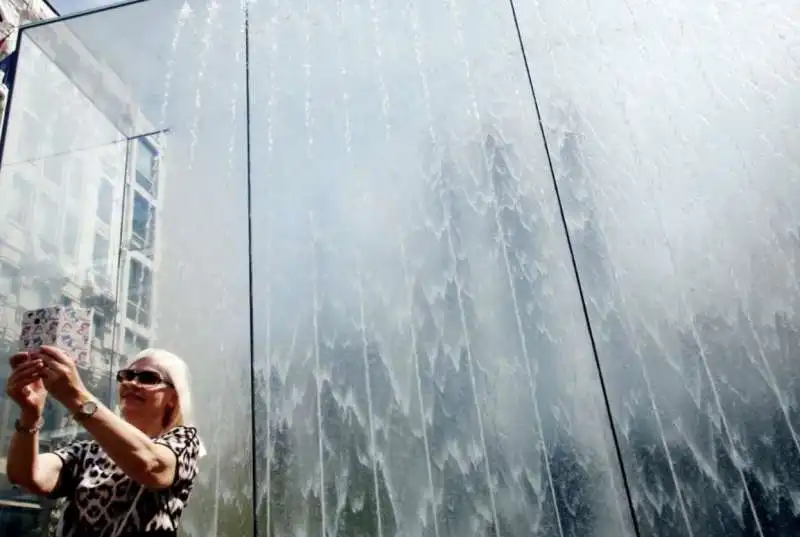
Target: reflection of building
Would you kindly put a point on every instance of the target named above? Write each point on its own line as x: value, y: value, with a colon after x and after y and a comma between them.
x: 13, y: 14
x: 78, y: 212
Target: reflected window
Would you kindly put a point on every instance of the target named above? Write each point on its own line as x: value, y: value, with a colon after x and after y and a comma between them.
x: 22, y: 200
x: 143, y: 224
x: 100, y: 259
x: 135, y: 343
x: 146, y: 163
x: 31, y: 134
x: 140, y: 282
x: 64, y: 132
x: 39, y: 295
x: 47, y: 224
x: 110, y: 169
x: 53, y: 170
x: 76, y: 183
x: 99, y: 329
x: 9, y: 275
x: 71, y: 238
x: 105, y: 201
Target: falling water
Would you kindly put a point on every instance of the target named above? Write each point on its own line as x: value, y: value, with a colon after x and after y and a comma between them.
x: 272, y: 89
x: 751, y: 185
x: 231, y: 176
x: 213, y: 7
x: 184, y: 15
x: 462, y: 313
x: 361, y: 189
x: 646, y: 375
x: 315, y: 246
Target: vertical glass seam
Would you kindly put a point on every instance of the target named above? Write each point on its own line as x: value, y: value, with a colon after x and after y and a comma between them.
x: 117, y: 330
x: 248, y: 179
x: 576, y: 272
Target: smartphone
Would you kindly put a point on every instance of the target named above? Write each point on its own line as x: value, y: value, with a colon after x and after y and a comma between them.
x: 66, y: 327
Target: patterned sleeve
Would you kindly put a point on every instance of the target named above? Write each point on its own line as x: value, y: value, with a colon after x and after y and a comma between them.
x: 72, y: 458
x: 185, y: 444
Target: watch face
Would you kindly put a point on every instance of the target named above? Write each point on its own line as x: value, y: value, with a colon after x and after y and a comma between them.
x: 88, y: 408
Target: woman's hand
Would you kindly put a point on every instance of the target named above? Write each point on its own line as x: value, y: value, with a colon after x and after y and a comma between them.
x: 60, y: 376
x: 25, y: 386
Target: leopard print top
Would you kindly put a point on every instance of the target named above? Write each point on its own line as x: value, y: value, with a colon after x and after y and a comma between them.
x: 99, y: 495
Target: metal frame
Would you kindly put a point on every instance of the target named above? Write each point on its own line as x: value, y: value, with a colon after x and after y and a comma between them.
x: 81, y: 13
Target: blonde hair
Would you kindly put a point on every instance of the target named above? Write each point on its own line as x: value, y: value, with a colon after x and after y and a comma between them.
x: 177, y: 373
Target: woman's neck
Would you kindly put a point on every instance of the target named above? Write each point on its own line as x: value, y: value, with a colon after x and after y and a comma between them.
x: 148, y: 427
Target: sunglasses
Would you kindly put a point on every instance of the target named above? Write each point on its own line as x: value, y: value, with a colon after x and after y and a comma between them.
x: 145, y: 378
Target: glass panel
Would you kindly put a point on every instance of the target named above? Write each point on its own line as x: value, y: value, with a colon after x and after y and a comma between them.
x: 423, y: 363
x: 164, y: 197
x: 46, y: 243
x: 105, y: 204
x: 671, y: 126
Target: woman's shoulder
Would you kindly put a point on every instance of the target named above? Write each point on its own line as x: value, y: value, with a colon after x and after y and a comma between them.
x: 182, y: 438
x: 180, y: 431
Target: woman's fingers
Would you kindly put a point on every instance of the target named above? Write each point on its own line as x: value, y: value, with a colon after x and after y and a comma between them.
x: 27, y: 368
x: 55, y: 354
x: 52, y: 364
x: 19, y: 385
x: 49, y: 376
x: 17, y: 359
x: 16, y: 382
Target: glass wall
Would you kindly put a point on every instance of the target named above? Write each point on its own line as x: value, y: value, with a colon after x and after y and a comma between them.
x: 673, y: 128
x: 411, y: 289
x: 422, y: 360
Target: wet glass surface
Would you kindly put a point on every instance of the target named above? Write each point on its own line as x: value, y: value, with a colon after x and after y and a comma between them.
x: 412, y: 354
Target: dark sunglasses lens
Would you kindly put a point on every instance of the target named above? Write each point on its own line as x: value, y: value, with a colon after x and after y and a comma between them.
x: 142, y: 377
x: 149, y: 377
x: 125, y: 375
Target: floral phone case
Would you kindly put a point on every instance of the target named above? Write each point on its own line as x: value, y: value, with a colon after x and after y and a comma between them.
x: 66, y: 327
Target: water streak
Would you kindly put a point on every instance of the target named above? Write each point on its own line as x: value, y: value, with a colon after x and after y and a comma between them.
x: 268, y: 160
x: 629, y: 324
x: 347, y: 134
x: 501, y: 238
x: 208, y: 33
x: 318, y: 368
x: 421, y: 69
x: 314, y: 267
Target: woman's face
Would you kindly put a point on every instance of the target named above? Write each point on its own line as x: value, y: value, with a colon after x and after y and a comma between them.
x: 145, y: 394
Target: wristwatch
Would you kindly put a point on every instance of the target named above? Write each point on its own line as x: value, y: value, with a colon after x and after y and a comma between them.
x: 85, y: 411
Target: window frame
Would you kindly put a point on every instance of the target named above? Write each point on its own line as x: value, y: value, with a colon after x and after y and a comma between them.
x: 139, y: 294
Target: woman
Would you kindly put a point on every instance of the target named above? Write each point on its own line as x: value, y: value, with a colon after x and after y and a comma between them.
x: 135, y: 476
